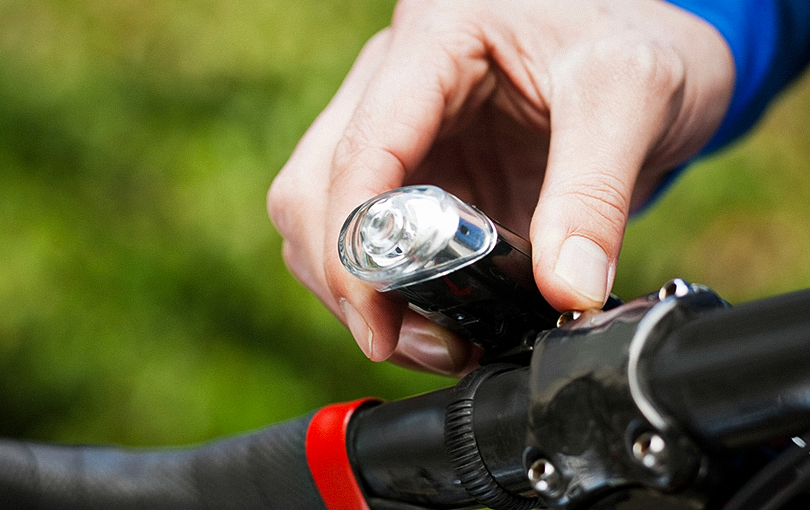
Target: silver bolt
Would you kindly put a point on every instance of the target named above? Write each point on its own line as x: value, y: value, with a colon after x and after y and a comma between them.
x: 650, y: 450
x: 545, y: 478
x: 675, y: 287
x: 566, y: 317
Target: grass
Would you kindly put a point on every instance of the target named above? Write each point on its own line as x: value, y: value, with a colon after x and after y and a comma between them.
x: 736, y: 221
x: 144, y: 300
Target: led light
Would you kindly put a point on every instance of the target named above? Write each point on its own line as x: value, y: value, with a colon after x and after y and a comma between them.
x: 413, y: 234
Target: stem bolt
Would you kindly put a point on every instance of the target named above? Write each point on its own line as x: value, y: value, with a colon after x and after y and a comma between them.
x: 546, y: 479
x: 566, y: 317
x: 650, y: 450
x: 675, y: 287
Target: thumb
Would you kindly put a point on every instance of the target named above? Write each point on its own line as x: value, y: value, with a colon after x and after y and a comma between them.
x: 609, y: 114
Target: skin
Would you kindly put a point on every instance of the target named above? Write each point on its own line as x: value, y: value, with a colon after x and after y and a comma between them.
x: 556, y: 118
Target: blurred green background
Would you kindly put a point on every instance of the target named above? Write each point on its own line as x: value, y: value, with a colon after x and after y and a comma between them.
x: 143, y: 299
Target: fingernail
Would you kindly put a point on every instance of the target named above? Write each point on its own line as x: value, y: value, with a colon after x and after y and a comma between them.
x: 583, y: 265
x: 358, y: 327
x: 431, y: 349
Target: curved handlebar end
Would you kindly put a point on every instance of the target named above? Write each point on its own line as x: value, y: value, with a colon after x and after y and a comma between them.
x: 328, y: 457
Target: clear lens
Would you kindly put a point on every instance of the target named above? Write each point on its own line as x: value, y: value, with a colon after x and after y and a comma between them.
x: 383, y: 232
x: 413, y: 234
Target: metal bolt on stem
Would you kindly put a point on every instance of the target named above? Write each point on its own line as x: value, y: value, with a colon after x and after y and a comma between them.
x: 675, y: 287
x: 545, y: 478
x: 650, y: 450
x: 566, y: 317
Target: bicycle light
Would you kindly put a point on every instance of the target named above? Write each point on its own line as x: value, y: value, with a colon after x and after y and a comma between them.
x: 451, y: 262
x: 413, y: 234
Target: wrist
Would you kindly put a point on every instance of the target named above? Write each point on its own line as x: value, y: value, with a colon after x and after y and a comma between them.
x: 750, y: 28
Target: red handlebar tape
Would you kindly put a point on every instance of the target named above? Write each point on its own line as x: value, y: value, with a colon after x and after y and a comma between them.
x: 328, y: 458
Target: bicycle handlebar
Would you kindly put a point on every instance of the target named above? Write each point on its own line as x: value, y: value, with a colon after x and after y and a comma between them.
x: 573, y: 412
x: 266, y: 469
x: 738, y: 376
x: 395, y: 449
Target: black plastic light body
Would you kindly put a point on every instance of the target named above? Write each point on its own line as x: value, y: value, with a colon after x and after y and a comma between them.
x: 452, y: 263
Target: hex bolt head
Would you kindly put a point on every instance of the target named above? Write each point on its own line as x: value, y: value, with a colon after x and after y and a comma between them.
x: 650, y: 450
x: 546, y: 479
x: 566, y: 317
x: 675, y: 287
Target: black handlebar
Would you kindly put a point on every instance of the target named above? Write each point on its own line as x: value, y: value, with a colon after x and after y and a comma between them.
x: 738, y: 376
x: 399, y: 448
x: 265, y: 469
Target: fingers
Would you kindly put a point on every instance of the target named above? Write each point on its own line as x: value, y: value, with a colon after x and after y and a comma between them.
x: 311, y: 197
x: 614, y: 105
x: 426, y: 346
x: 392, y: 129
x: 610, y: 104
x: 297, y: 199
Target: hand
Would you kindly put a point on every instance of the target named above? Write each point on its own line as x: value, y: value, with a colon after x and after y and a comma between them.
x: 556, y: 118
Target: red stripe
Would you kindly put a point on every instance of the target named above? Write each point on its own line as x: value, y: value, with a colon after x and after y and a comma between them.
x: 328, y: 457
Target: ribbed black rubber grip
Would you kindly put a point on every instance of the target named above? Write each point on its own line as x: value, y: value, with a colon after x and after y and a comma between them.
x: 462, y: 447
x: 265, y: 469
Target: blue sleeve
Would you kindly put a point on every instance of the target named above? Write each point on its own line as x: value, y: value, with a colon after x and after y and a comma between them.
x: 770, y: 41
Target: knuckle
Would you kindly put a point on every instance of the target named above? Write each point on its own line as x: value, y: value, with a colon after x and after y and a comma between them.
x: 356, y: 153
x: 407, y: 8
x: 422, y: 11
x: 604, y: 205
x: 350, y: 146
x: 358, y: 138
x: 421, y: 15
x: 378, y: 43
x: 445, y: 21
x: 283, y: 201
x: 292, y: 257
x: 654, y: 67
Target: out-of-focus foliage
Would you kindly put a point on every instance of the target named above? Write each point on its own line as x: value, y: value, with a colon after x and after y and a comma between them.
x: 142, y: 295
x: 144, y: 300
x: 736, y: 221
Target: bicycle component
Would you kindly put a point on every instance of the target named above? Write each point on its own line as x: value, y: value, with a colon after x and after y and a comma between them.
x: 328, y: 458
x: 413, y: 234
x: 670, y: 403
x: 256, y: 471
x: 452, y: 263
x: 603, y: 440
x: 545, y: 478
x: 566, y: 317
x: 650, y: 450
x: 737, y: 375
x: 675, y: 287
x: 399, y: 448
x: 462, y: 446
x: 778, y: 482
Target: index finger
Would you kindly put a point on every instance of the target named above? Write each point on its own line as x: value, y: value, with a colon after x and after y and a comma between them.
x: 390, y: 133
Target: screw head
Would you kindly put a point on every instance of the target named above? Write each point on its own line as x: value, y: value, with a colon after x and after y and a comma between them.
x: 650, y: 450
x: 566, y: 317
x: 675, y: 287
x: 545, y: 478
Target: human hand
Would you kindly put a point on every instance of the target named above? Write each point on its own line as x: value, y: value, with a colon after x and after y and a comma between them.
x: 585, y: 104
